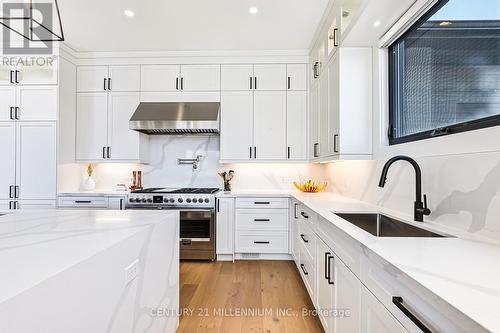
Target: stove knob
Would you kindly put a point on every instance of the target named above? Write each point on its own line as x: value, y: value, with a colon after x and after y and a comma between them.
x: 171, y: 200
x: 180, y: 200
x: 165, y: 200
x: 150, y: 200
x: 195, y: 200
x: 131, y: 200
x: 143, y: 200
x: 200, y: 200
x: 188, y: 200
x: 207, y: 200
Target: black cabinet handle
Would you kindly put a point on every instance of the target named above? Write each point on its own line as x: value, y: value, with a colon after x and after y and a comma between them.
x: 182, y: 83
x: 254, y: 152
x: 262, y: 220
x: 304, y: 215
x: 11, y: 191
x: 255, y: 83
x: 335, y: 42
x: 109, y: 83
x: 335, y: 143
x: 16, y: 191
x: 104, y: 152
x: 108, y: 152
x: 250, y: 152
x: 302, y: 266
x: 261, y: 203
x: 330, y: 259
x: 17, y: 76
x: 289, y: 83
x: 12, y: 113
x: 16, y: 205
x: 288, y: 152
x: 398, y: 301
x: 304, y: 238
x: 105, y: 83
x: 11, y: 81
x: 327, y: 270
x: 16, y: 112
x: 261, y: 242
x: 316, y: 149
x: 10, y: 205
x: 251, y: 83
x: 176, y: 83
x: 83, y: 201
x: 295, y: 206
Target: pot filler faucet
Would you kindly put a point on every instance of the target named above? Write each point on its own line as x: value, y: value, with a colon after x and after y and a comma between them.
x: 420, y: 208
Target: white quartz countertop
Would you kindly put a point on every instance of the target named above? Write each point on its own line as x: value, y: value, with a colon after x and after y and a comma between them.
x: 462, y: 271
x: 94, y: 193
x: 36, y: 245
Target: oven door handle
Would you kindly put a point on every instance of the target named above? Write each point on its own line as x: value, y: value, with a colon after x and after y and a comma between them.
x: 186, y: 241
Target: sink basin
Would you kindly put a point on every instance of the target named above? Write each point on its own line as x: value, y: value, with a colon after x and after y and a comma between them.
x: 384, y: 226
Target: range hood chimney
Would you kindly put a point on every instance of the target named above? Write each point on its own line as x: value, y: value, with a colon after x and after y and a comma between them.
x: 193, y: 118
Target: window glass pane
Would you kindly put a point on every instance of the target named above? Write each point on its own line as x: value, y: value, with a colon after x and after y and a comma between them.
x: 446, y: 69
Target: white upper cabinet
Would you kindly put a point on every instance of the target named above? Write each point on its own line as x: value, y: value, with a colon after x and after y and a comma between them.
x: 39, y: 74
x: 8, y: 153
x: 323, y: 115
x: 36, y: 160
x: 124, y: 143
x: 270, y: 77
x: 7, y: 102
x: 296, y: 125
x: 236, y: 77
x: 124, y: 78
x: 91, y: 78
x: 37, y: 103
x: 200, y: 78
x: 6, y: 75
x: 91, y: 126
x: 270, y: 125
x: 314, y: 120
x: 236, y: 142
x: 157, y: 78
x: 296, y: 76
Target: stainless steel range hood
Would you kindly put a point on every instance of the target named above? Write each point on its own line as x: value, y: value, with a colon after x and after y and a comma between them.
x: 200, y: 118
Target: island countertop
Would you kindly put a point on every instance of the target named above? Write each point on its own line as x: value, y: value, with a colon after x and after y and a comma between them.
x: 36, y: 245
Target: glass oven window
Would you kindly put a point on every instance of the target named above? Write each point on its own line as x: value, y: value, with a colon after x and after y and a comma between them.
x: 195, y: 224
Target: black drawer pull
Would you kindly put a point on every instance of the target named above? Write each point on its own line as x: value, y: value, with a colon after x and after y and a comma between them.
x: 83, y: 201
x: 262, y: 220
x: 303, y: 269
x: 186, y: 242
x: 262, y: 203
x: 304, y: 215
x: 329, y: 269
x: 259, y: 242
x: 304, y: 238
x: 398, y: 301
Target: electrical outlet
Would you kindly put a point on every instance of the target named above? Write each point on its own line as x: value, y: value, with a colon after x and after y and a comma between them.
x: 131, y: 272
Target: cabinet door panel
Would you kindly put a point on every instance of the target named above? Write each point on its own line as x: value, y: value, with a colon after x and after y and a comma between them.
x: 333, y: 107
x: 296, y: 76
x: 296, y: 125
x: 270, y: 125
x: 8, y: 153
x: 7, y: 101
x: 225, y: 223
x: 314, y: 120
x: 325, y: 289
x: 39, y: 74
x: 37, y: 103
x: 375, y: 318
x: 200, y: 77
x: 6, y: 75
x: 125, y: 78
x: 91, y: 78
x: 123, y: 141
x: 270, y: 77
x: 91, y: 125
x: 160, y: 78
x: 36, y: 160
x: 236, y: 125
x: 323, y: 116
x: 236, y: 77
x: 348, y: 297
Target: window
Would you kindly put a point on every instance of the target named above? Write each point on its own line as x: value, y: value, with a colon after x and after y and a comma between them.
x: 445, y: 72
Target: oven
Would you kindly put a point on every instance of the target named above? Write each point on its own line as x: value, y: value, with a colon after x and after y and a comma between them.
x: 197, y: 234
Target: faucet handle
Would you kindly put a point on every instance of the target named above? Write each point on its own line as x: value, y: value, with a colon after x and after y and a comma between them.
x: 426, y: 210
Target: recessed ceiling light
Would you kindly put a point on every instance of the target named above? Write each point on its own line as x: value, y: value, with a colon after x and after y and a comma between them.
x: 377, y: 24
x: 253, y: 10
x: 128, y: 13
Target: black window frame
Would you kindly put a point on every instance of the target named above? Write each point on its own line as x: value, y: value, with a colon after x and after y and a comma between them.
x: 394, y: 100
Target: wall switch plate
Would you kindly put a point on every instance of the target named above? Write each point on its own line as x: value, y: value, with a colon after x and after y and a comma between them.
x: 131, y: 272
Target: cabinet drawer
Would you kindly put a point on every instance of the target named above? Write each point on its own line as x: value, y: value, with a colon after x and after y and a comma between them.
x: 262, y: 219
x: 308, y: 272
x: 83, y: 202
x: 258, y: 203
x: 307, y: 215
x: 261, y: 242
x: 387, y: 282
x: 308, y: 239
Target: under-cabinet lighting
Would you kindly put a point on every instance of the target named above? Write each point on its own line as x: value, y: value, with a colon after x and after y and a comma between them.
x: 128, y: 13
x: 253, y: 10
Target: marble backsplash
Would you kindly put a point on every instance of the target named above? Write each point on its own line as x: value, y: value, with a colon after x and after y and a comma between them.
x: 163, y: 170
x: 463, y: 191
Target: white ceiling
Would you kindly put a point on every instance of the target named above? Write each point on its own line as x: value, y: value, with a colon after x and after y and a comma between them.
x: 100, y: 25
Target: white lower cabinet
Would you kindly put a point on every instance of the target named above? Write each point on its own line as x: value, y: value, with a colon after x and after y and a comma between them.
x: 225, y: 227
x: 375, y: 318
x: 91, y: 202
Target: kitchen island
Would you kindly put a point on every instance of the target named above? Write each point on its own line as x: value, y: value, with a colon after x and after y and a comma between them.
x: 89, y: 271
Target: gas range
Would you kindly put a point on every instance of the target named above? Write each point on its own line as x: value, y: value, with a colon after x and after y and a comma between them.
x: 165, y: 198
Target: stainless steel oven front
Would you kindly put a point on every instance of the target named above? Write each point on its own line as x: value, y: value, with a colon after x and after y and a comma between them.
x: 197, y: 234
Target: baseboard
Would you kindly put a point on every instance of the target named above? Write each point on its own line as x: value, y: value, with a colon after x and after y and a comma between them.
x: 225, y: 257
x: 263, y: 256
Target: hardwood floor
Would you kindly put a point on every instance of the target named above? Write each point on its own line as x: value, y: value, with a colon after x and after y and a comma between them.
x: 246, y: 296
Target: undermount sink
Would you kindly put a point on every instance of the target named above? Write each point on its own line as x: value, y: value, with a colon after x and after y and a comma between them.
x: 384, y: 226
